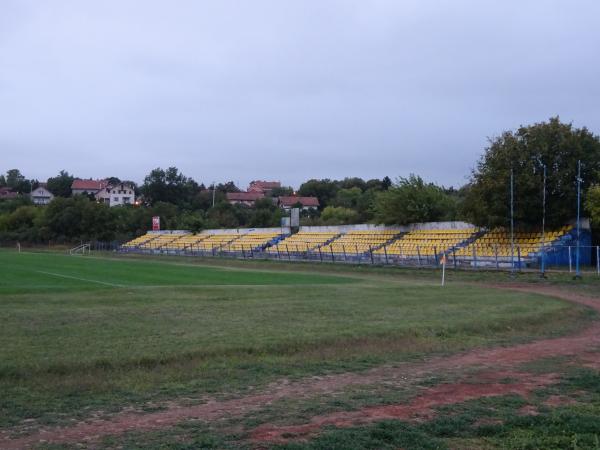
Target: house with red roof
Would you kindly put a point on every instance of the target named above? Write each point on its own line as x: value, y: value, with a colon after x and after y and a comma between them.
x: 7, y: 193
x: 289, y: 202
x: 263, y: 186
x: 85, y: 187
x: 244, y: 198
x: 117, y: 194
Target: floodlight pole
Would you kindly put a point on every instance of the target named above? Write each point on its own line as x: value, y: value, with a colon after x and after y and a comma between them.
x: 543, y: 274
x: 577, y: 271
x: 512, y: 223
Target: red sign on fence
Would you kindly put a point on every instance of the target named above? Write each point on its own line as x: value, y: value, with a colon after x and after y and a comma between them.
x: 156, y: 223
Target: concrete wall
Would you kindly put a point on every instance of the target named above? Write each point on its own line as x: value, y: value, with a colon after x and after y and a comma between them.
x: 284, y: 230
x: 399, y: 228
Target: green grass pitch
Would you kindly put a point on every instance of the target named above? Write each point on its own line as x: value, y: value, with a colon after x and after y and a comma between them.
x: 82, y: 334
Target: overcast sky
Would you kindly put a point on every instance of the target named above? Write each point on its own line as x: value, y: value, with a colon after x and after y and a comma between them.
x: 286, y: 90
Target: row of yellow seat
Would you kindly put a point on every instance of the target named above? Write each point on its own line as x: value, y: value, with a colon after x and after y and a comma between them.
x: 498, y: 242
x: 427, y: 242
x: 303, y: 241
x: 360, y: 241
x: 251, y: 241
x: 205, y: 242
x: 140, y: 240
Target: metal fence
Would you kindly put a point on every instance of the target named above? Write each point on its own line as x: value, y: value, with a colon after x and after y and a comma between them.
x: 564, y: 258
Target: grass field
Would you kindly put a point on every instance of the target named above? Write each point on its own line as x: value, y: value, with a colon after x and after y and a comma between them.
x: 88, y: 337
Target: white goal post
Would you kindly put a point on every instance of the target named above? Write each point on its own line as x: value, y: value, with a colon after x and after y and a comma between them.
x: 81, y: 249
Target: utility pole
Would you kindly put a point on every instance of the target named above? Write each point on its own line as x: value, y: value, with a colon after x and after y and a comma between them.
x: 512, y: 223
x: 543, y: 274
x: 577, y: 271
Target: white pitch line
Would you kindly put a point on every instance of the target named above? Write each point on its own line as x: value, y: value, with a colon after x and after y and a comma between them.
x: 80, y: 279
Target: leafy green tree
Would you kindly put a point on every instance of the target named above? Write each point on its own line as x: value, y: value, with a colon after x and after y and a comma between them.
x: 338, y: 215
x: 554, y: 144
x: 60, y: 185
x: 169, y: 186
x: 352, y: 182
x: 16, y: 181
x: 348, y: 198
x: 282, y: 191
x: 386, y: 183
x: 191, y: 221
x: 265, y: 214
x: 592, y: 204
x: 78, y: 218
x: 325, y: 190
x: 226, y: 215
x: 412, y: 200
x: 21, y: 224
x: 2, y: 181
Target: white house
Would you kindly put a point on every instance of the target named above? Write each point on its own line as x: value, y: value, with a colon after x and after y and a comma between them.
x: 113, y: 195
x: 117, y: 195
x: 41, y: 195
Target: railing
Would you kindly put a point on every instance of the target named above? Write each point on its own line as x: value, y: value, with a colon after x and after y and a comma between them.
x: 551, y: 258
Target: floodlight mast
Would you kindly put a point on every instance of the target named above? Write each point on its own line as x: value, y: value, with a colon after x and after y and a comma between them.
x: 512, y: 223
x: 543, y: 274
x: 577, y: 271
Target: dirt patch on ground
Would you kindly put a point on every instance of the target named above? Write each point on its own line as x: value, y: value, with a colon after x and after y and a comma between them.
x: 421, y: 408
x: 498, y: 360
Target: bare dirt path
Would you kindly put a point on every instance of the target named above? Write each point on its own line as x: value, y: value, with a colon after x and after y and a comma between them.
x: 501, y: 363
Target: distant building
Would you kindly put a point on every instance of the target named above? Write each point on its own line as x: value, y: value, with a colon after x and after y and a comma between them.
x: 7, y: 193
x: 306, y: 202
x: 117, y: 195
x: 263, y: 186
x: 111, y: 194
x: 88, y: 186
x: 41, y: 195
x: 244, y: 198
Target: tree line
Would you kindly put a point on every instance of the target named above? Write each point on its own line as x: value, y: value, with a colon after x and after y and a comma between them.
x: 183, y: 203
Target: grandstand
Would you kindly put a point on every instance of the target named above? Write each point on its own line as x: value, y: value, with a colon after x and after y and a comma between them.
x: 497, y: 243
x: 462, y: 242
x: 141, y: 240
x: 255, y: 240
x: 303, y: 241
x: 185, y: 242
x: 159, y: 241
x: 360, y: 241
x: 427, y: 242
x: 214, y: 242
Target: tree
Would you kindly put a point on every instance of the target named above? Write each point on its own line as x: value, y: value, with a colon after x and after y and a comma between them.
x: 592, y: 204
x: 348, y: 198
x: 17, y: 182
x: 412, y: 200
x: 338, y: 215
x: 352, y: 182
x: 282, y: 191
x: 60, y: 185
x: 554, y: 144
x: 169, y: 186
x: 2, y: 181
x: 325, y: 190
x: 112, y: 181
x: 386, y: 183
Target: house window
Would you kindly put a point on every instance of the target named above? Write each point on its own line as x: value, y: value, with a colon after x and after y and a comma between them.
x: 116, y: 199
x: 126, y: 200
